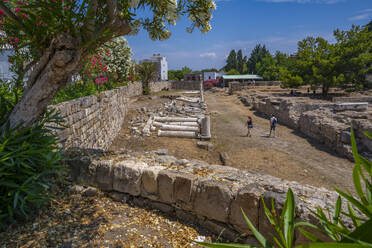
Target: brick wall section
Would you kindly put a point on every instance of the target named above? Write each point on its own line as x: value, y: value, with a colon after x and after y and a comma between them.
x: 94, y: 121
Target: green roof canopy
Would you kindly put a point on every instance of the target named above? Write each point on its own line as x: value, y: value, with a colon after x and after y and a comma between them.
x: 244, y: 77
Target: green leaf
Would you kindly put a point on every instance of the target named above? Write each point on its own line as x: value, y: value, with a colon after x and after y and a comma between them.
x: 357, y: 183
x: 364, y: 209
x: 256, y: 233
x: 289, y: 215
x: 362, y: 232
x: 336, y: 214
x: 215, y: 245
x: 15, y: 201
x: 354, y: 147
x: 369, y: 135
x: 309, y: 235
x: 330, y: 245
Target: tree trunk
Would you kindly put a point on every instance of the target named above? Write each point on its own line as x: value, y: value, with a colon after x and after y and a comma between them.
x: 50, y: 74
x: 325, y: 89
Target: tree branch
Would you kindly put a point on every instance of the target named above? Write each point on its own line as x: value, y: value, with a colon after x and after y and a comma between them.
x: 91, y: 18
x: 118, y: 26
x: 112, y: 6
x: 11, y: 15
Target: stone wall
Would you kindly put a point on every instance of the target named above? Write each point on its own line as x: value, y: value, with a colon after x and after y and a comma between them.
x: 353, y: 99
x: 185, y: 85
x: 159, y: 86
x: 234, y: 86
x: 210, y: 195
x: 268, y: 83
x: 328, y: 123
x: 94, y: 121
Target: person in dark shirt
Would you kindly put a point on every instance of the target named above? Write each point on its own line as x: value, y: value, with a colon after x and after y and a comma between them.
x: 249, y: 126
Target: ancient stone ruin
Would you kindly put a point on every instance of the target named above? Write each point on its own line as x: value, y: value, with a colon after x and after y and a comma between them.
x: 327, y: 122
x: 210, y: 195
x: 184, y: 116
x: 195, y: 191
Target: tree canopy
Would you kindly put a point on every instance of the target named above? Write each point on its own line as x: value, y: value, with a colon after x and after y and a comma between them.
x: 58, y: 34
x: 231, y: 61
x: 345, y: 63
x: 258, y: 53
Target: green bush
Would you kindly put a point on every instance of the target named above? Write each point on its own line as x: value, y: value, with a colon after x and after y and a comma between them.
x: 29, y: 157
x: 80, y: 89
x: 75, y: 90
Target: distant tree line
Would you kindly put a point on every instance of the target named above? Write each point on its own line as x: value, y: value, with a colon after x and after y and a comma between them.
x: 317, y: 62
x: 178, y: 75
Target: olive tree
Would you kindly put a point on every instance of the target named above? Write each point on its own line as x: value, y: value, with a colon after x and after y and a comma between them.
x: 59, y: 33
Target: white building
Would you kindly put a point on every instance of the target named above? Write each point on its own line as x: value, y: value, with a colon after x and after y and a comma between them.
x: 5, y: 73
x: 162, y: 65
x: 212, y: 75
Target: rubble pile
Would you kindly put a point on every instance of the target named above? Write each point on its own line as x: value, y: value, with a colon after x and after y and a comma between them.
x: 181, y: 116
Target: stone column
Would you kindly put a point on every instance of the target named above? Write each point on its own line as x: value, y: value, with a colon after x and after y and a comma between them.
x: 179, y: 134
x: 201, y: 91
x: 205, y: 129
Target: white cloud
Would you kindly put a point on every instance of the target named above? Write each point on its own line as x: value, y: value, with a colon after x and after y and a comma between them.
x: 208, y: 55
x: 303, y: 1
x: 363, y: 15
x: 360, y: 17
x: 365, y: 11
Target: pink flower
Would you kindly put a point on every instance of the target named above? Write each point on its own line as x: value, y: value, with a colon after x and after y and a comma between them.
x: 1, y: 13
x: 17, y: 9
x: 39, y: 23
x: 24, y: 15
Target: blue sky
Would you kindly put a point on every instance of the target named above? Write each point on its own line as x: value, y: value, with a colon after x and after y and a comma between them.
x: 241, y: 24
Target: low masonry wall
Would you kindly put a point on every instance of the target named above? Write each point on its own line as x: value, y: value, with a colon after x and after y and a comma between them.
x: 94, y: 121
x: 268, y: 83
x: 236, y: 86
x: 353, y: 99
x: 159, y: 86
x: 185, y: 85
x: 210, y: 195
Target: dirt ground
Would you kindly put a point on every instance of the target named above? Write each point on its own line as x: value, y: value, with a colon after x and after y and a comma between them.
x: 77, y: 221
x: 289, y: 156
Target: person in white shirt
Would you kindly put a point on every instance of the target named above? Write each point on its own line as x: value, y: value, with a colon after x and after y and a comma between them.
x: 273, y: 122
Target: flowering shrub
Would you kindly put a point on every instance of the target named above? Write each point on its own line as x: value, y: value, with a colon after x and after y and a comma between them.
x: 210, y: 83
x: 117, y: 58
x: 94, y: 69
